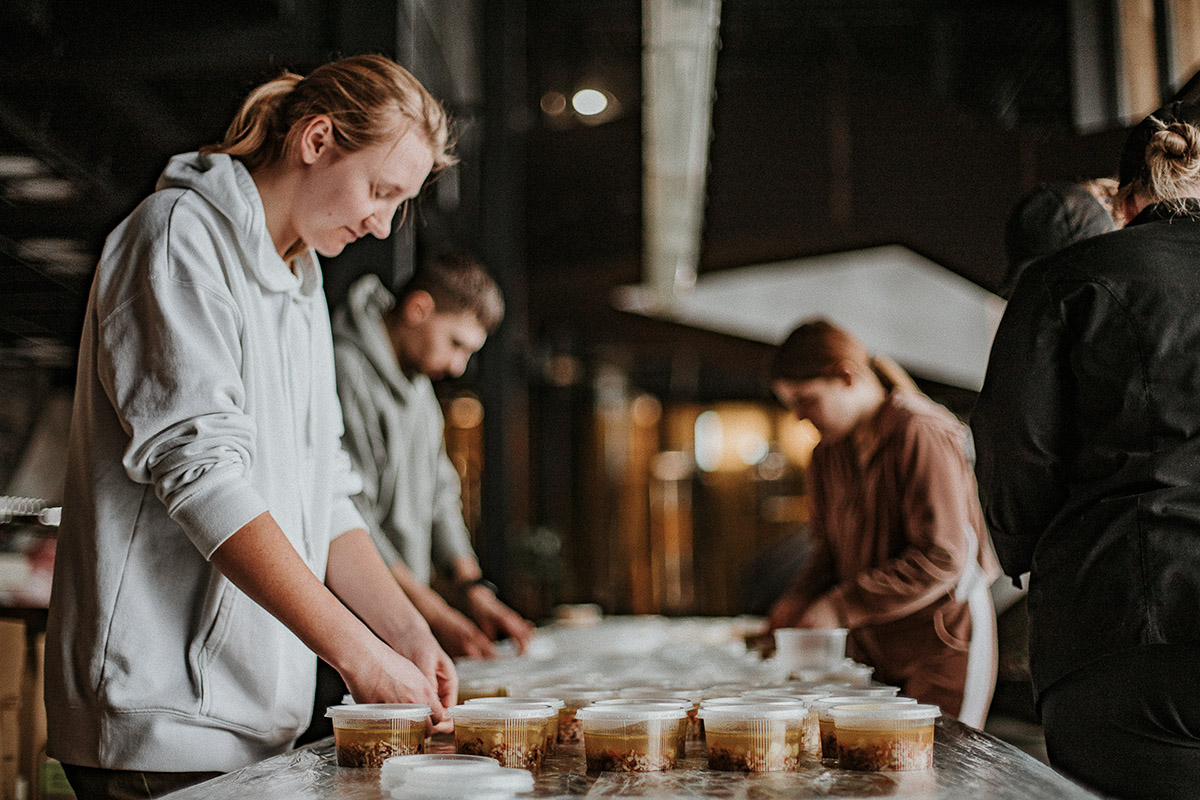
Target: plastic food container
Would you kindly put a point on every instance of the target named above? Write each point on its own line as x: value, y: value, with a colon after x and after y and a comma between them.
x: 849, y: 674
x: 811, y: 740
x: 758, y: 736
x: 514, y: 734
x: 473, y: 688
x: 681, y: 732
x: 551, y: 730
x: 627, y: 738
x: 885, y: 737
x: 574, y: 697
x: 692, y: 695
x: 824, y: 708
x: 815, y: 649
x: 364, y: 735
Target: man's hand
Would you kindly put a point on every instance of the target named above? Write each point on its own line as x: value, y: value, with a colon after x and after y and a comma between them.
x: 493, y: 617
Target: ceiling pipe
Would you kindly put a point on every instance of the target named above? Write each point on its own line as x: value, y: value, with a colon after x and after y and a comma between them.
x: 679, y: 56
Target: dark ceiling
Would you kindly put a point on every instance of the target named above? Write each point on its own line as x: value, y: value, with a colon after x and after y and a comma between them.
x: 836, y: 125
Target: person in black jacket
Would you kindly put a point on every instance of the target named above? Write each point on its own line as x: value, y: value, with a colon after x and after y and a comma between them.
x: 1087, y: 433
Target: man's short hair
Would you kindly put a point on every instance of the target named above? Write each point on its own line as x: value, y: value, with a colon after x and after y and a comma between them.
x: 457, y: 282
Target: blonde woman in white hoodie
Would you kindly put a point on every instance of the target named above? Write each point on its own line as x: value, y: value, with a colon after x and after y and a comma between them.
x: 209, y: 546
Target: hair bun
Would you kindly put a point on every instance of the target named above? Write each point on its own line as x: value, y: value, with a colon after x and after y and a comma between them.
x: 1173, y: 161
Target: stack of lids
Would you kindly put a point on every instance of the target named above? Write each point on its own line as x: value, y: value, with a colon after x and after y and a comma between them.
x: 449, y: 776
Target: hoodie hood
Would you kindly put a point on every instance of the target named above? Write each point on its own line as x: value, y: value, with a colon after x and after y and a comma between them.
x: 360, y: 322
x: 225, y: 183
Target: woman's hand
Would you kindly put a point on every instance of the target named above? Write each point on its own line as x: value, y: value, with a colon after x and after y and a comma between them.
x: 821, y: 613
x: 418, y: 645
x: 785, y: 612
x: 388, y: 677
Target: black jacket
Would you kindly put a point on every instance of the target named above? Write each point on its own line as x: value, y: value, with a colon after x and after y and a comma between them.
x: 1088, y: 438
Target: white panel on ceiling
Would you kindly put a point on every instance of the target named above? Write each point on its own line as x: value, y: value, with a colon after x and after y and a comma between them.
x: 935, y: 323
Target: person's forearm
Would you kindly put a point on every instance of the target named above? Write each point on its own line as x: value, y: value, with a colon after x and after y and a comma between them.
x: 465, y: 569
x: 428, y: 602
x: 260, y: 561
x: 358, y: 576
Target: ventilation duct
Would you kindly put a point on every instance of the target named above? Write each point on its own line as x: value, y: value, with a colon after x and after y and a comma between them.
x: 678, y: 64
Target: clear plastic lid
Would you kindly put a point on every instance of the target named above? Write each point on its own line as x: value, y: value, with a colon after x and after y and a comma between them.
x: 753, y: 711
x: 742, y: 700
x: 690, y: 693
x: 503, y: 701
x: 724, y: 690
x: 442, y: 782
x: 404, y: 763
x: 574, y: 695
x: 637, y: 702
x: 493, y: 712
x: 377, y: 711
x: 884, y: 712
x: 825, y: 704
x: 877, y: 690
x: 643, y: 712
x: 786, y: 694
x: 396, y: 770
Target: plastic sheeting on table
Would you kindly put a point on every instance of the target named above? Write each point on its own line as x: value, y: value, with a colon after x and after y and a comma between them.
x: 968, y: 765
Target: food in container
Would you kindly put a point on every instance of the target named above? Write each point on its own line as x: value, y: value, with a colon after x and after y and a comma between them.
x: 481, y: 687
x: 753, y: 736
x: 552, y: 728
x: 812, y: 729
x: 681, y: 732
x: 514, y: 733
x: 628, y: 738
x: 366, y: 734
x: 811, y: 741
x: 574, y: 697
x: 691, y: 694
x: 824, y: 708
x: 885, y: 737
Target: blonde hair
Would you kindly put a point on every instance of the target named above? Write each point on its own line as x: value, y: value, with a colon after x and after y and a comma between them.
x: 1171, y: 170
x: 369, y: 98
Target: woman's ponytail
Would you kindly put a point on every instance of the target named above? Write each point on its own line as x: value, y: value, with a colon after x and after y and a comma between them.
x: 892, y: 375
x: 368, y: 98
x: 256, y: 135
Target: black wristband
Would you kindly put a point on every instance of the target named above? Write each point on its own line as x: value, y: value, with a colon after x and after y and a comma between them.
x: 484, y: 582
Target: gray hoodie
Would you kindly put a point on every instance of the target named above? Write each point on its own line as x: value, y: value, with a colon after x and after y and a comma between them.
x: 205, y: 396
x: 412, y: 496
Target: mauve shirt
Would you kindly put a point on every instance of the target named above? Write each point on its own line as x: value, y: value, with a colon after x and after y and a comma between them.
x: 895, y: 522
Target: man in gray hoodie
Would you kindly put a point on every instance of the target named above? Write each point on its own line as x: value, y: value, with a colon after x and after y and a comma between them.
x: 388, y: 352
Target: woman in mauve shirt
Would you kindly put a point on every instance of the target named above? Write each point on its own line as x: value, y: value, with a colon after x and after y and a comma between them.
x: 900, y: 554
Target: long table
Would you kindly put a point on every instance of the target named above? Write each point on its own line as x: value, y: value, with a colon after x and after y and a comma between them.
x: 621, y: 651
x: 968, y: 765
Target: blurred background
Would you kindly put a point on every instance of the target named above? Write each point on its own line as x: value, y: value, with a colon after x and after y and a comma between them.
x: 663, y: 189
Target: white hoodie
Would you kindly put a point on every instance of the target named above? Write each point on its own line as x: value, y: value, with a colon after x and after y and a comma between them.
x: 205, y: 396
